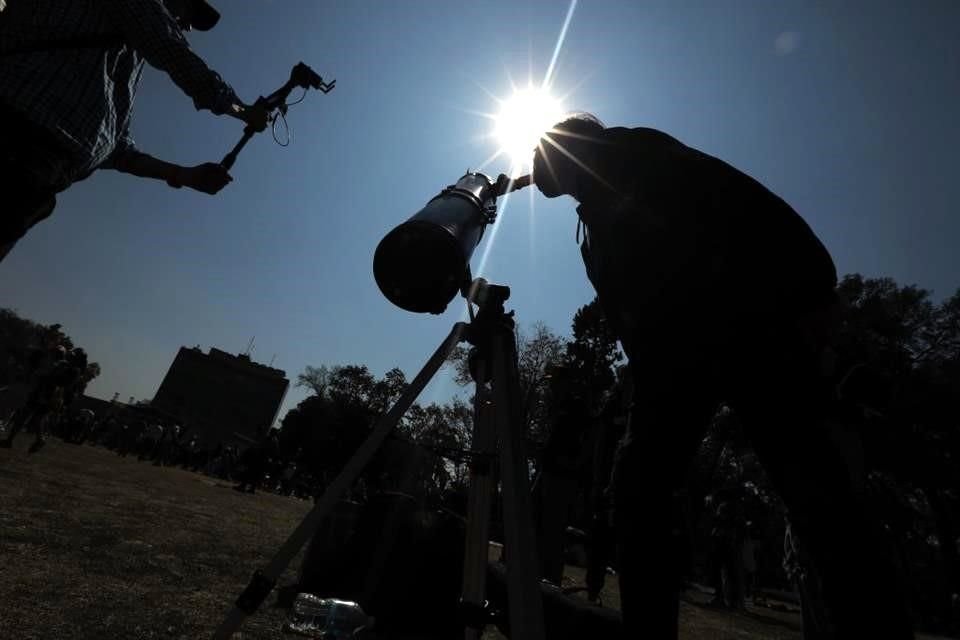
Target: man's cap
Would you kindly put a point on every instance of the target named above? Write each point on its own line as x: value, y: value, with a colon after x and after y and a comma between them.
x: 205, y: 17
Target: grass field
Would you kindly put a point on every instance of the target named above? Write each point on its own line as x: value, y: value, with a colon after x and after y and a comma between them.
x: 97, y: 546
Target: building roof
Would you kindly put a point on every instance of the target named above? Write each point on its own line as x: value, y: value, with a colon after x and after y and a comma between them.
x: 241, y: 361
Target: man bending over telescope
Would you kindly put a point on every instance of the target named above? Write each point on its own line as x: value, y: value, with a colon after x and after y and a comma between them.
x: 718, y: 291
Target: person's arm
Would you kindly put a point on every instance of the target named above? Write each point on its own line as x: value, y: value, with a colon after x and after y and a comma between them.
x: 209, y: 177
x: 150, y: 29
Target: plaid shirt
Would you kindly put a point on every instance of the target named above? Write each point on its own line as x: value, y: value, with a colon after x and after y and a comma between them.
x: 84, y: 96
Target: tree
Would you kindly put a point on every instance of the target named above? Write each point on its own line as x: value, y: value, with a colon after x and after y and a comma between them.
x: 592, y: 355
x: 889, y: 326
x: 326, y: 428
x: 352, y: 385
x: 537, y: 353
x: 317, y: 379
x: 26, y: 347
x: 93, y: 370
x: 444, y: 430
x: 905, y: 350
x: 386, y: 391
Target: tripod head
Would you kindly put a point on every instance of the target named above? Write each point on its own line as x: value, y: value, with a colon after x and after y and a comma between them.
x: 490, y: 320
x: 486, y: 295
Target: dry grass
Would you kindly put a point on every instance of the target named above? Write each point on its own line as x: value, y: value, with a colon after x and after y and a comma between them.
x: 698, y: 621
x: 97, y: 546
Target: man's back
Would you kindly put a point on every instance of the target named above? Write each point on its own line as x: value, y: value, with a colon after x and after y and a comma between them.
x: 687, y: 229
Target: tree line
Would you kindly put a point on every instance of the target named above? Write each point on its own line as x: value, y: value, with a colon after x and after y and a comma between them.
x: 27, y: 348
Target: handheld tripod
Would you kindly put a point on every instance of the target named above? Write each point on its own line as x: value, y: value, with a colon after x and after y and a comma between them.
x: 276, y: 103
x: 494, y: 368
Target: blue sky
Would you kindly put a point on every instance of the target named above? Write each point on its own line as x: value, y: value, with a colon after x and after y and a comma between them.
x: 845, y: 109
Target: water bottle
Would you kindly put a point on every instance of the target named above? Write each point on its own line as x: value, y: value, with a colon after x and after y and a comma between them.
x: 326, y: 618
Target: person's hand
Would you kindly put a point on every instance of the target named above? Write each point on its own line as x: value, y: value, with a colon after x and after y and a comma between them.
x: 255, y: 116
x: 208, y: 177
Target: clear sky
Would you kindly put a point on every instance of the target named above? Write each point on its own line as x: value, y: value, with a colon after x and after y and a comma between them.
x: 846, y: 109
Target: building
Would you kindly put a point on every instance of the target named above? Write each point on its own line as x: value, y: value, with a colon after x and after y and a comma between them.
x: 226, y: 398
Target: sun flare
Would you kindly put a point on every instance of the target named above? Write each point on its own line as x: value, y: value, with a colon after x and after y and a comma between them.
x: 523, y: 118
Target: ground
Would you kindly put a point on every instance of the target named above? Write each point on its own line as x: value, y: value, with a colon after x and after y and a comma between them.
x: 93, y: 545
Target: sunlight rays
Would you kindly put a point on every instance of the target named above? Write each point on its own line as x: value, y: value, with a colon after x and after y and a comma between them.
x: 521, y: 121
x: 548, y: 76
x: 559, y: 147
x: 523, y: 118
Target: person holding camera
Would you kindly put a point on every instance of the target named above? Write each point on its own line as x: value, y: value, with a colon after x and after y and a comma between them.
x: 69, y: 71
x: 719, y: 292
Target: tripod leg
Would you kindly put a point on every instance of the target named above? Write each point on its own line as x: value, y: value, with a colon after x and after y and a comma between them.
x: 525, y: 599
x: 263, y: 581
x: 482, y: 484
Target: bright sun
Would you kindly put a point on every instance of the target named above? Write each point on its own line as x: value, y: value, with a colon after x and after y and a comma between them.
x: 524, y: 117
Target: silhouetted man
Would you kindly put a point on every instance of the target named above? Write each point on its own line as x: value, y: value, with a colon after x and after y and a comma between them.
x: 718, y: 291
x: 69, y: 70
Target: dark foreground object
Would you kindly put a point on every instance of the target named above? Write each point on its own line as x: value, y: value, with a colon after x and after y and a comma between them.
x: 404, y: 565
x: 565, y: 618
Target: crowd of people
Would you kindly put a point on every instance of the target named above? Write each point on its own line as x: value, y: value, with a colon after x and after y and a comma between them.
x: 258, y: 466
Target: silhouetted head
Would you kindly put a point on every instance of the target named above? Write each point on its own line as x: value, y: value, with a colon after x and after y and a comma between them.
x: 565, y: 154
x: 193, y: 14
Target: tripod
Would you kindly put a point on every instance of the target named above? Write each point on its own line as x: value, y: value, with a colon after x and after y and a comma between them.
x: 300, y: 76
x: 494, y: 368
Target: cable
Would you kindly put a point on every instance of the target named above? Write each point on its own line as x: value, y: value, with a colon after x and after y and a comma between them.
x: 281, y: 114
x: 300, y: 99
x: 286, y: 127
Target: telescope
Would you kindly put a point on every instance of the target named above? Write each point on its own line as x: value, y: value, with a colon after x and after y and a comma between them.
x: 422, y: 264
